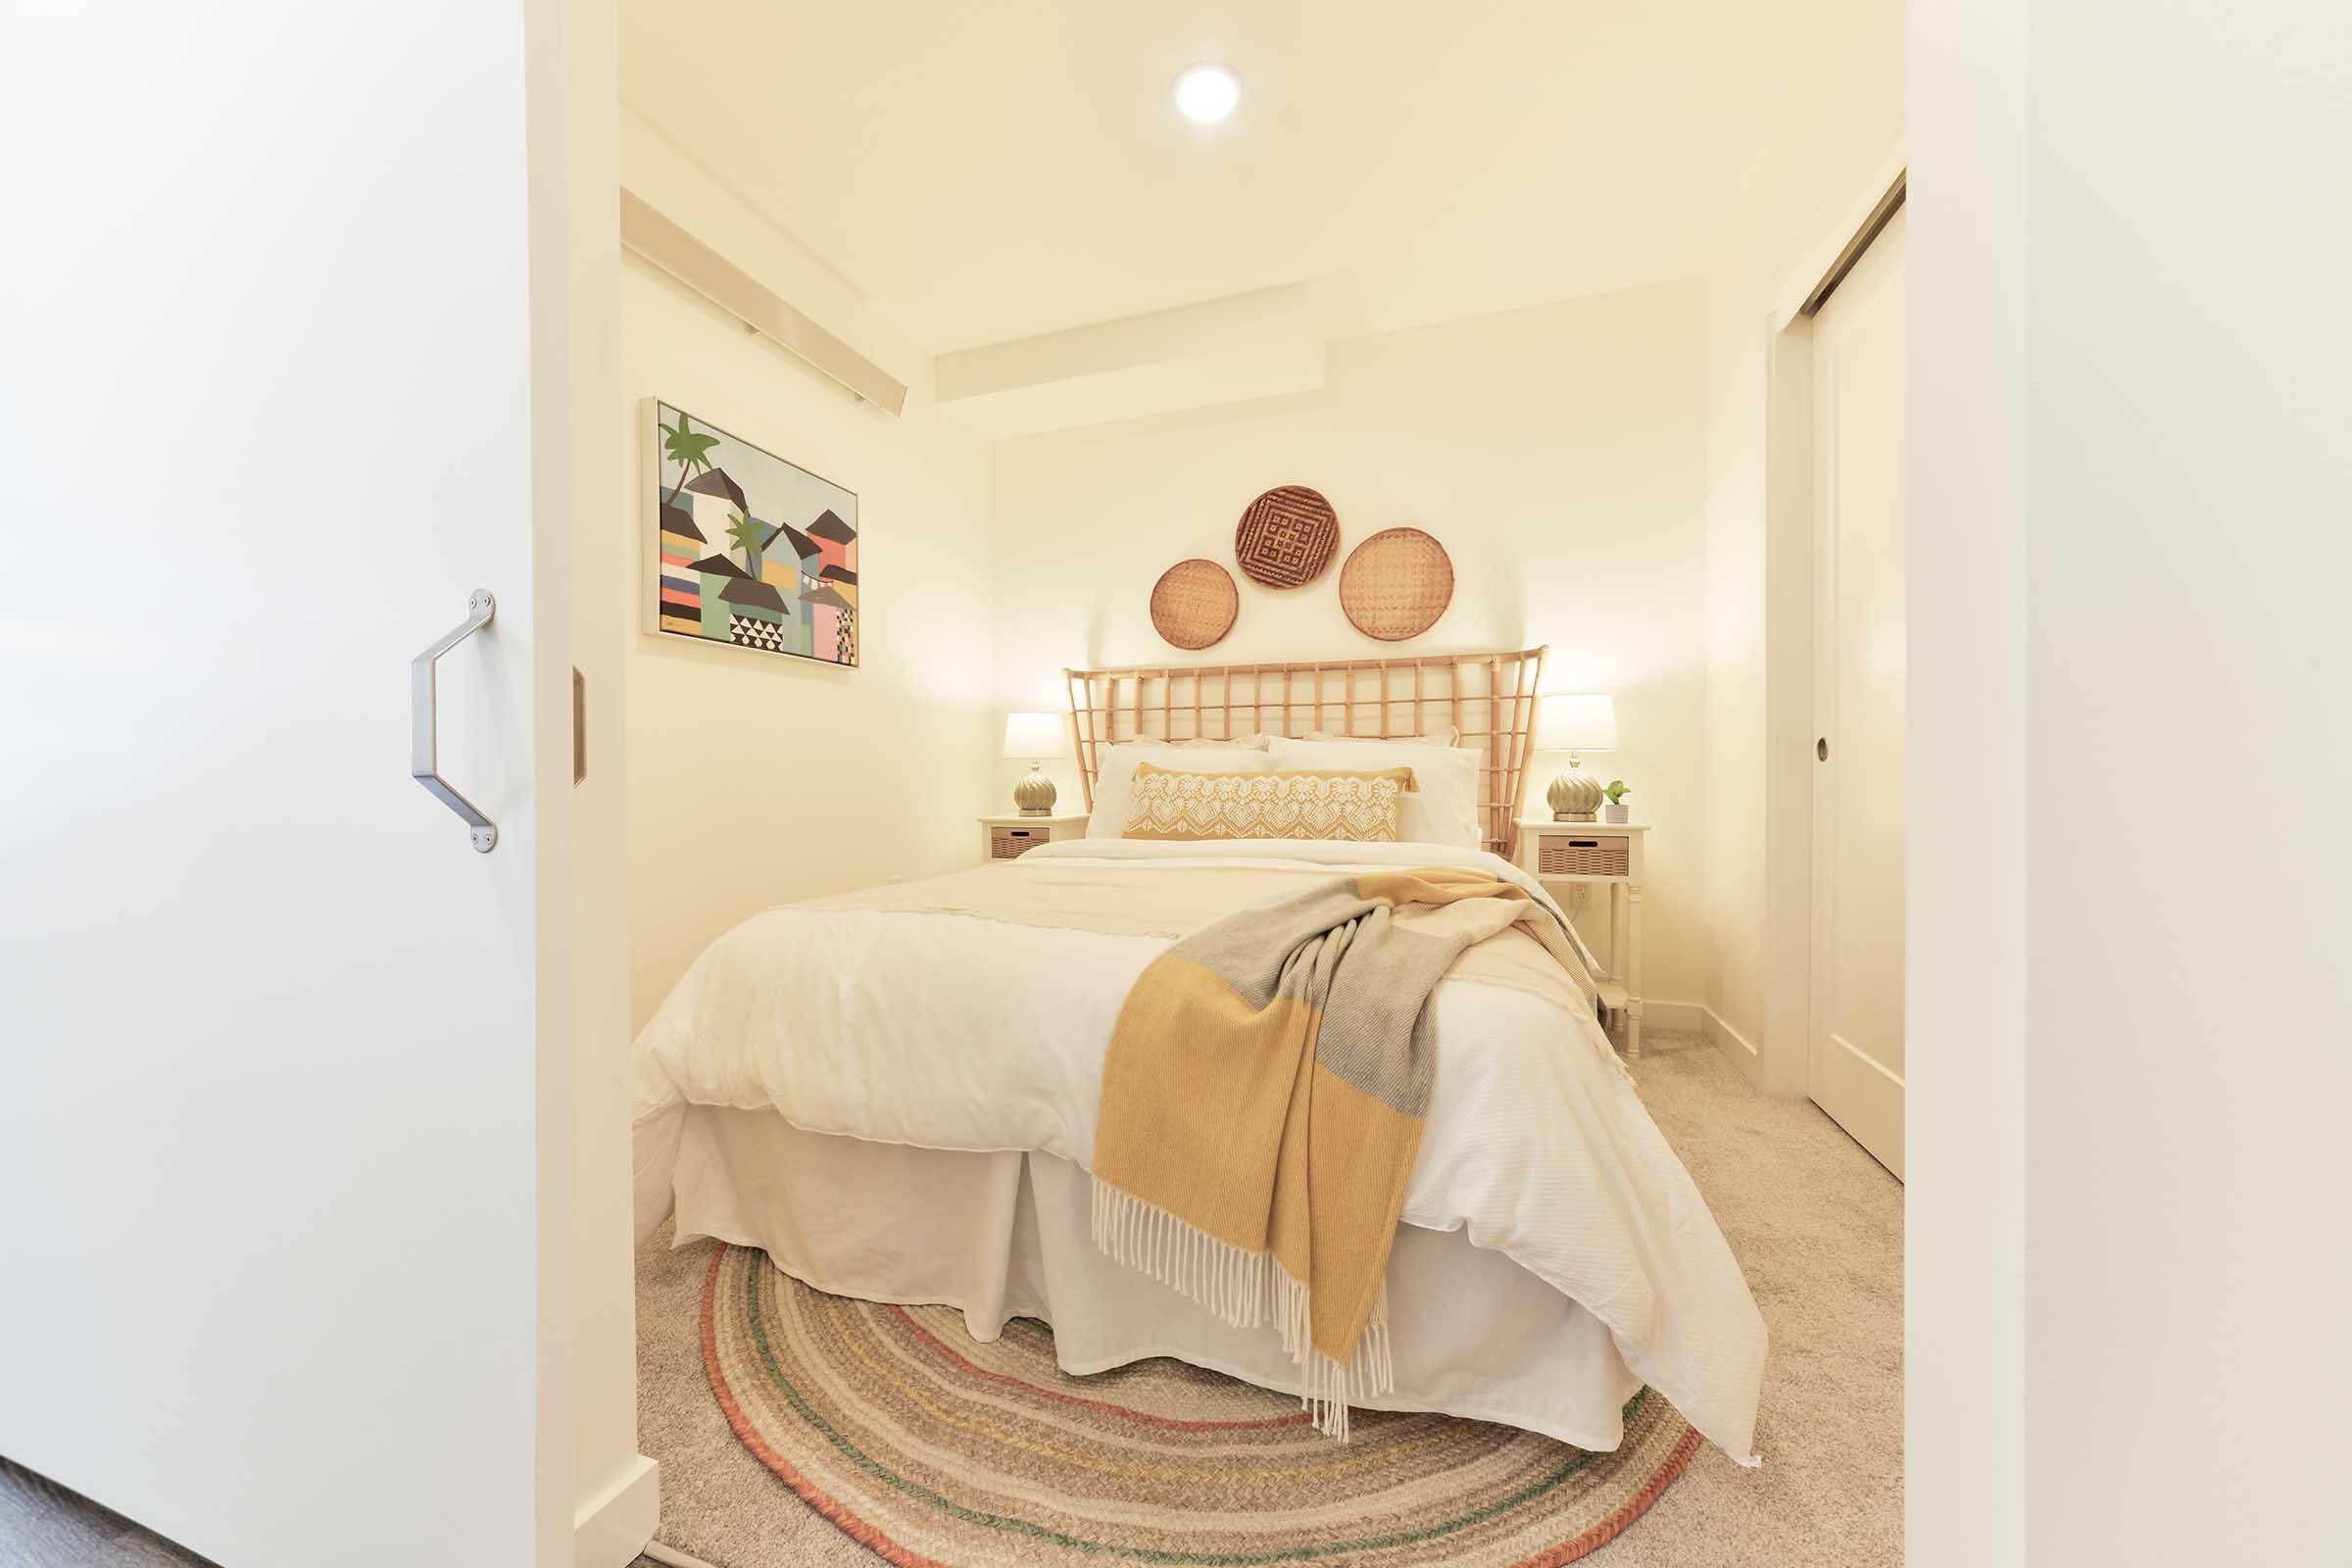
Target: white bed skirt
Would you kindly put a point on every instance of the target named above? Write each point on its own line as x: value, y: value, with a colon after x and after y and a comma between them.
x: 1004, y: 1235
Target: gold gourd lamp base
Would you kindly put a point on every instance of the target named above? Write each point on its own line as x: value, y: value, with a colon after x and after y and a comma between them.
x: 1574, y: 795
x: 1570, y: 724
x: 1035, y: 794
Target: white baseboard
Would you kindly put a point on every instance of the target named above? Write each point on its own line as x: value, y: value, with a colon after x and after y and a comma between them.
x: 1685, y: 1016
x: 1737, y: 1047
x: 612, y: 1530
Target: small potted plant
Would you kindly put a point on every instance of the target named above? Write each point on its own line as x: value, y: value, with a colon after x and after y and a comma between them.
x: 1617, y: 811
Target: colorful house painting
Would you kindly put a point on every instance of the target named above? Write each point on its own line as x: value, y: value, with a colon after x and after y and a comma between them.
x: 681, y: 544
x: 714, y: 575
x: 836, y: 539
x: 748, y: 549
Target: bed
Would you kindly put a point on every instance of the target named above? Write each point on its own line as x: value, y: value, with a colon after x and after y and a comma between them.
x: 893, y: 1093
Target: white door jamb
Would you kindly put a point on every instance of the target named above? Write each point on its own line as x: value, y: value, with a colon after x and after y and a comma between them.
x: 1789, y: 734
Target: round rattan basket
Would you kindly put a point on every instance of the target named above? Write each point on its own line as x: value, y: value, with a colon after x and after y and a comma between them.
x: 1194, y: 602
x: 1396, y: 585
x: 1287, y: 537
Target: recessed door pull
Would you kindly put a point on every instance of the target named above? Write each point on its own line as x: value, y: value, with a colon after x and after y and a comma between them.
x: 424, y: 766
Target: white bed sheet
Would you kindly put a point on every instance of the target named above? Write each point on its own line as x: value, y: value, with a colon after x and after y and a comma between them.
x: 954, y: 1032
x: 1003, y: 1235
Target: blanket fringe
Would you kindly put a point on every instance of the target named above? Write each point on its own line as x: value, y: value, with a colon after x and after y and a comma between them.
x: 1244, y: 1288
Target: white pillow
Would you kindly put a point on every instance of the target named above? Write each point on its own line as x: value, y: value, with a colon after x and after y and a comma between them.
x: 1442, y: 810
x: 1436, y: 737
x: 1249, y: 743
x: 1117, y: 779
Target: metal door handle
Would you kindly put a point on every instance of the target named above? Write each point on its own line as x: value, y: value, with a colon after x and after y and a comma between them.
x: 422, y: 766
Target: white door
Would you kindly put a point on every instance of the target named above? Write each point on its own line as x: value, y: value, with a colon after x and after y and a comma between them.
x: 268, y: 1084
x: 1856, y: 1063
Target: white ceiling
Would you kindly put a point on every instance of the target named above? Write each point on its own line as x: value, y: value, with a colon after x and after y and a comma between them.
x: 983, y: 172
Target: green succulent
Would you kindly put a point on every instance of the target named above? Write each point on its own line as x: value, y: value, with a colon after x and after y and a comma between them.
x: 1617, y: 791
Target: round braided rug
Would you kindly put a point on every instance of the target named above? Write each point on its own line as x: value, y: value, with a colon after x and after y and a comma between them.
x: 935, y: 1451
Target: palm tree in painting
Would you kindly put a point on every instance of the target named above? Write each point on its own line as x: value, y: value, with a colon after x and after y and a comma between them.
x: 689, y: 449
x: 749, y: 538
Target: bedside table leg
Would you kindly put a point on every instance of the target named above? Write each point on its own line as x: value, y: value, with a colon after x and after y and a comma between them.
x: 1633, y: 971
x: 1616, y: 931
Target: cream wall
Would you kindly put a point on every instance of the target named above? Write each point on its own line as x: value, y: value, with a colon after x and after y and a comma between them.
x: 1557, y: 453
x: 1832, y: 148
x: 2188, y: 1174
x: 2128, y: 453
x: 756, y: 779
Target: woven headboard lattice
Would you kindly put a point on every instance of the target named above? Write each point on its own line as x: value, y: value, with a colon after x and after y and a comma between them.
x: 1490, y: 698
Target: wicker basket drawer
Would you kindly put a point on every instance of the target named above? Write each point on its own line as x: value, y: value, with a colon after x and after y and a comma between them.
x: 1581, y: 854
x: 1011, y: 843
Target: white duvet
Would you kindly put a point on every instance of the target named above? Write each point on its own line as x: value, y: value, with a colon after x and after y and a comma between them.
x: 957, y: 1032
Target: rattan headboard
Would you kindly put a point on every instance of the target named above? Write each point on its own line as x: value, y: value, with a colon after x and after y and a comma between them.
x: 1490, y: 698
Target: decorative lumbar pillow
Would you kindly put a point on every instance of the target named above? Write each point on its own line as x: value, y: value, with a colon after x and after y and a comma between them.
x: 1120, y: 762
x: 1358, y: 807
x: 1444, y: 805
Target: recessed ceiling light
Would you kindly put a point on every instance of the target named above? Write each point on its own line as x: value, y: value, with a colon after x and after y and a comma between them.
x: 1206, y: 94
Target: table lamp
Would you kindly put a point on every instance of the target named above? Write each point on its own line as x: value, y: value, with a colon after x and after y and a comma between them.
x: 1035, y: 736
x: 1576, y: 723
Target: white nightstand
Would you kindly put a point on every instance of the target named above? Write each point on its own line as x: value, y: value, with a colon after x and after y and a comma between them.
x: 1009, y: 837
x: 1607, y: 854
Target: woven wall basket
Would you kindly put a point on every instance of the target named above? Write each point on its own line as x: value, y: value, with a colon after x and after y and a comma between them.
x: 1194, y: 602
x: 1396, y: 585
x: 1287, y: 537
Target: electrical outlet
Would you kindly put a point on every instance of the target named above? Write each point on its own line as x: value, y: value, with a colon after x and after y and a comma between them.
x: 1580, y: 898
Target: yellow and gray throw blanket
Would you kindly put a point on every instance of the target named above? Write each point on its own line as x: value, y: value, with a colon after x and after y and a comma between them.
x: 1264, y: 1100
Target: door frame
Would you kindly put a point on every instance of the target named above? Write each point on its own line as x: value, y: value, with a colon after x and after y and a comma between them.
x: 598, y: 1499
x: 1782, y: 1066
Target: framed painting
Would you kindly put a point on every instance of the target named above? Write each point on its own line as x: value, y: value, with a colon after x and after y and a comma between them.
x: 748, y: 549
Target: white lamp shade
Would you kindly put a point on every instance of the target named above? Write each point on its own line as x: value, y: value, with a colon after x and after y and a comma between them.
x: 1571, y: 722
x: 1034, y: 736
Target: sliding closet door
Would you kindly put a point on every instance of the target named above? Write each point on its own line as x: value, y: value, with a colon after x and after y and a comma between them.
x: 1859, y: 684
x: 268, y: 1274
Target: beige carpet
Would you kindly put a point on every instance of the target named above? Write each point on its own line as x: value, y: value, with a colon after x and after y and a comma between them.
x: 1815, y: 1221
